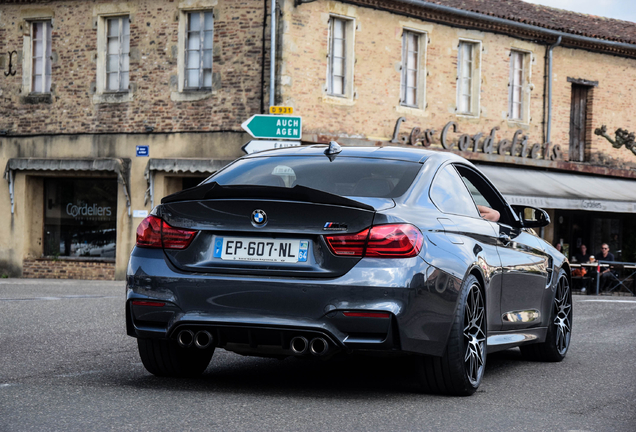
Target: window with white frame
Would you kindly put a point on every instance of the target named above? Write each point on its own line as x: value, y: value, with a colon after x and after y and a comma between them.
x: 41, y: 57
x: 337, y: 57
x: 198, y: 50
x: 516, y: 100
x: 412, y: 51
x: 117, y: 54
x: 340, y: 67
x: 467, y: 78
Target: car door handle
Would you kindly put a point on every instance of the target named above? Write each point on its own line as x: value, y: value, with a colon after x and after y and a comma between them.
x: 505, y: 239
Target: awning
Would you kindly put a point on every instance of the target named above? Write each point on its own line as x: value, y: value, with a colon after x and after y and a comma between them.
x: 120, y: 166
x: 185, y: 165
x: 557, y: 190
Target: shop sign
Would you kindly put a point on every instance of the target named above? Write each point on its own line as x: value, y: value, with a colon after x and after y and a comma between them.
x: 518, y: 146
x: 76, y: 210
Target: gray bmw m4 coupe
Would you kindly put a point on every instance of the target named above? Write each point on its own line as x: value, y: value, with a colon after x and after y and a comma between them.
x: 317, y: 251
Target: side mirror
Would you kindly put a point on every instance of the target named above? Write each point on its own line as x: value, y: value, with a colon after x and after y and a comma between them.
x: 531, y: 217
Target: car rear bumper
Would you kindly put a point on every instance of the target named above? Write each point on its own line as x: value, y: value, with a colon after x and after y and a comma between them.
x: 260, y: 316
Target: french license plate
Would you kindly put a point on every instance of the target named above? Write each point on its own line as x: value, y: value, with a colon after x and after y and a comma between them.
x: 259, y: 249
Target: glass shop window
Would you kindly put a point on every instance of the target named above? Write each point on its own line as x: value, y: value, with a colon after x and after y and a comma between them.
x: 80, y: 217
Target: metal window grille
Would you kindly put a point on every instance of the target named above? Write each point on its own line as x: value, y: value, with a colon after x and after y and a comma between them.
x: 117, y: 53
x: 517, y: 78
x: 410, y: 68
x: 41, y: 57
x: 200, y: 34
x: 465, y: 65
x: 337, y: 57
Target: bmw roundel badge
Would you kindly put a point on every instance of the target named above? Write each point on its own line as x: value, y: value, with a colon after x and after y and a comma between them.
x: 259, y: 218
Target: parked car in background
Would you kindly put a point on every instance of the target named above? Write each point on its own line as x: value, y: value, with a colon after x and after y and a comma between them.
x: 322, y: 250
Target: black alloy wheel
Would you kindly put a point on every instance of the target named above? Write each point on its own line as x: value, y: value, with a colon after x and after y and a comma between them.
x: 460, y: 370
x: 557, y: 339
x: 475, y: 335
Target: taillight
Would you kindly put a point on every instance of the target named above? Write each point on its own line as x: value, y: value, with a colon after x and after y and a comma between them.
x: 394, y: 241
x: 382, y: 241
x: 149, y: 232
x: 348, y: 244
x: 154, y: 232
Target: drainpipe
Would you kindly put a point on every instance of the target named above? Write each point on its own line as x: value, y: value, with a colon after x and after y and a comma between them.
x: 548, y: 119
x: 272, y: 61
x: 263, y: 57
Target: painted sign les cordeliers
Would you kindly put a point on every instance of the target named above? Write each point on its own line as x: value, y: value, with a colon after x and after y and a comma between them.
x: 274, y: 127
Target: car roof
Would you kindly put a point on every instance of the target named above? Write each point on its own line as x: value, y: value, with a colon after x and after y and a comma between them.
x: 386, y: 152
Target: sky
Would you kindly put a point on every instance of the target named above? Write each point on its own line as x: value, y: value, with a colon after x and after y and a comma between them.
x: 619, y: 9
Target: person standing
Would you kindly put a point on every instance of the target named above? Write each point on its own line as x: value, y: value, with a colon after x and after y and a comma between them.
x: 607, y: 275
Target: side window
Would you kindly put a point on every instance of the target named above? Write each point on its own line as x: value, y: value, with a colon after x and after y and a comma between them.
x: 484, y: 193
x: 450, y: 195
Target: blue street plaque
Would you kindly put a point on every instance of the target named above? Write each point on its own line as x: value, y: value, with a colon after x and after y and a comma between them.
x: 143, y: 150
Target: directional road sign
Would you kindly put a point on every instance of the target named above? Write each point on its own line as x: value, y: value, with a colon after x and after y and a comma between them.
x: 260, y: 145
x: 274, y: 126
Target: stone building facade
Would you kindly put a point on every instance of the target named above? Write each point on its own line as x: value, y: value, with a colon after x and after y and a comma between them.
x: 132, y: 100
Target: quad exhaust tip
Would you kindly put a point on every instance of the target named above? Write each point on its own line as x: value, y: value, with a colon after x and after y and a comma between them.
x: 203, y: 339
x: 319, y: 346
x: 185, y: 338
x: 299, y: 345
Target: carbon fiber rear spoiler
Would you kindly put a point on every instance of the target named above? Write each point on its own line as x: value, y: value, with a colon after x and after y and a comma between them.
x: 299, y: 193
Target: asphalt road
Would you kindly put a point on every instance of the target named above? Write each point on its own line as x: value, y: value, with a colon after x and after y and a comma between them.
x: 66, y: 364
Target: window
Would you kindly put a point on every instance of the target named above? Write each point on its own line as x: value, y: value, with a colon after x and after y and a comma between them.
x: 117, y: 54
x: 411, y: 76
x: 345, y: 176
x: 484, y: 193
x: 340, y: 69
x: 41, y: 57
x: 517, y: 79
x: 337, y: 57
x: 450, y: 195
x: 467, y: 78
x: 80, y: 217
x: 37, y: 59
x: 198, y: 50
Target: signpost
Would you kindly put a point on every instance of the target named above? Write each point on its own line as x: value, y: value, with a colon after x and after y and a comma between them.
x: 274, y: 127
x: 260, y: 145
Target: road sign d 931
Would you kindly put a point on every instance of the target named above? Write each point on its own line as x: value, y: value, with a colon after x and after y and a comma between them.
x: 274, y: 127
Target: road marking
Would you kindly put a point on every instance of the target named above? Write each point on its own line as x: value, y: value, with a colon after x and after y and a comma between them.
x: 609, y: 301
x: 66, y: 297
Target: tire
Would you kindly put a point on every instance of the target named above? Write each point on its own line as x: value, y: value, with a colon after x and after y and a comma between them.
x: 557, y: 340
x: 163, y: 357
x: 460, y: 370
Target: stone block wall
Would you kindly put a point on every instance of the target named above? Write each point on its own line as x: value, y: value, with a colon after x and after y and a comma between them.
x: 154, y: 27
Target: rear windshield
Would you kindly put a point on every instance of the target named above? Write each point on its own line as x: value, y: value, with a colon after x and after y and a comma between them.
x: 345, y: 176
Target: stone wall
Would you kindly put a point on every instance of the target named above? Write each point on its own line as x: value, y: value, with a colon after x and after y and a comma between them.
x: 237, y: 64
x: 68, y: 269
x: 372, y: 112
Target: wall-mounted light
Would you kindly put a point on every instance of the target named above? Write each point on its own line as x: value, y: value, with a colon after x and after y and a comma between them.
x: 149, y: 128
